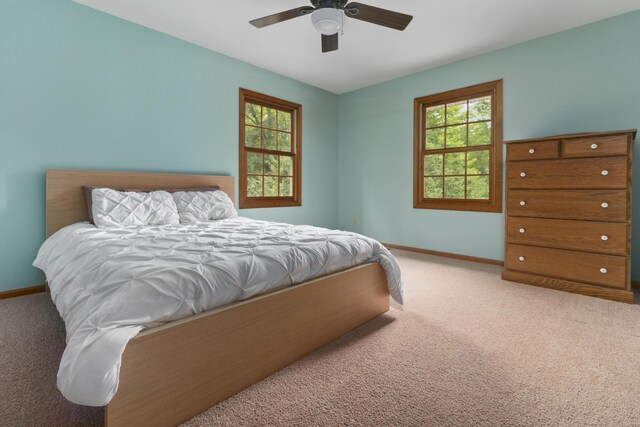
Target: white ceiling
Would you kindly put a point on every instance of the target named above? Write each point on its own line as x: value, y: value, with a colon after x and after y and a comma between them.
x: 442, y: 31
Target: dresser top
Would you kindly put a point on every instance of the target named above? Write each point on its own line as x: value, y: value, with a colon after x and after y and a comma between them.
x: 631, y: 132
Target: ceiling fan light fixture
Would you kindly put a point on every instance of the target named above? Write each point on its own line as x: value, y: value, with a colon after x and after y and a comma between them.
x: 327, y: 20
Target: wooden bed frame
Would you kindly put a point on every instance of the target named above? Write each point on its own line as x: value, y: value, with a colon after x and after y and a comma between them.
x: 173, y: 372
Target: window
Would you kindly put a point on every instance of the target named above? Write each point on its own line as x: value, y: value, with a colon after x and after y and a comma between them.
x: 270, y: 151
x: 458, y: 149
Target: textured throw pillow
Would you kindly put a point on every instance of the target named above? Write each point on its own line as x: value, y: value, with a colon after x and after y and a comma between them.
x: 113, y: 208
x: 88, y: 190
x: 196, y: 206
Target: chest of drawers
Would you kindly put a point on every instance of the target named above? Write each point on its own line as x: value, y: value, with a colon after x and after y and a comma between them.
x: 568, y: 213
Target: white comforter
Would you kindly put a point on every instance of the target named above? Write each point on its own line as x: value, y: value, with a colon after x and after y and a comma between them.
x: 109, y: 284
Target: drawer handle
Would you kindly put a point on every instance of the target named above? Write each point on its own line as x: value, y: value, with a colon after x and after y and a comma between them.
x: 522, y: 174
x: 605, y: 172
x: 604, y: 205
x: 604, y: 237
x: 522, y: 230
x: 603, y: 270
x: 594, y: 146
x: 522, y: 203
x: 532, y: 150
x: 521, y: 258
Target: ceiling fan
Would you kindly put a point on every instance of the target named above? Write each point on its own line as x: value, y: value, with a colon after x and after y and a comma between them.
x: 328, y: 17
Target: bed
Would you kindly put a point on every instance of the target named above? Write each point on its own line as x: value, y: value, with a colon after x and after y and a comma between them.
x: 172, y: 372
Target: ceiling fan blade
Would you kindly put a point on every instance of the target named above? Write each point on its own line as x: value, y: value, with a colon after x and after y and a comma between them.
x: 282, y: 16
x: 329, y: 43
x: 376, y: 15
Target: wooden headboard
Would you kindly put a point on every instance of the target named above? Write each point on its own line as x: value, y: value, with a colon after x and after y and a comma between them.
x: 66, y: 204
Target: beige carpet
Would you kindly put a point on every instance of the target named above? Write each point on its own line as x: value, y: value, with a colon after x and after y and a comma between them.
x: 466, y: 350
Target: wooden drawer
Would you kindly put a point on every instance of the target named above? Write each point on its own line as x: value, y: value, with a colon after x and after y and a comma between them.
x: 607, y: 270
x: 592, y: 236
x: 616, y: 145
x: 569, y: 204
x: 606, y: 172
x: 534, y: 150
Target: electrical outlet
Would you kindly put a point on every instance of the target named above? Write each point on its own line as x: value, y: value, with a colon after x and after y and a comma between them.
x: 354, y: 220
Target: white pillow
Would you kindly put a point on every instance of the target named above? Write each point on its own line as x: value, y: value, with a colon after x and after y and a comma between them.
x: 113, y: 208
x: 196, y: 206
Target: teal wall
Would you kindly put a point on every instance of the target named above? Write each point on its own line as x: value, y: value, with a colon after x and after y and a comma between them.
x: 586, y: 79
x: 85, y: 90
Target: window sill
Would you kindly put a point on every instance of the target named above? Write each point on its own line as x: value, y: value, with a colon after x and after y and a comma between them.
x: 460, y: 205
x: 268, y: 203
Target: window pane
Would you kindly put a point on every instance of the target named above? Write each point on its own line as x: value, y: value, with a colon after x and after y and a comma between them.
x: 252, y: 136
x: 270, y: 164
x: 286, y: 166
x: 478, y: 162
x: 435, y: 139
x: 254, y: 163
x: 269, y: 139
x: 480, y: 133
x: 454, y: 149
x: 456, y: 136
x: 284, y: 141
x: 457, y: 113
x: 478, y: 187
x: 454, y: 187
x: 254, y: 186
x: 480, y: 109
x: 435, y: 116
x: 252, y: 114
x: 454, y: 164
x: 269, y: 118
x: 286, y: 189
x: 270, y: 186
x: 284, y: 121
x: 433, y: 188
x: 269, y: 151
x: 433, y: 164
